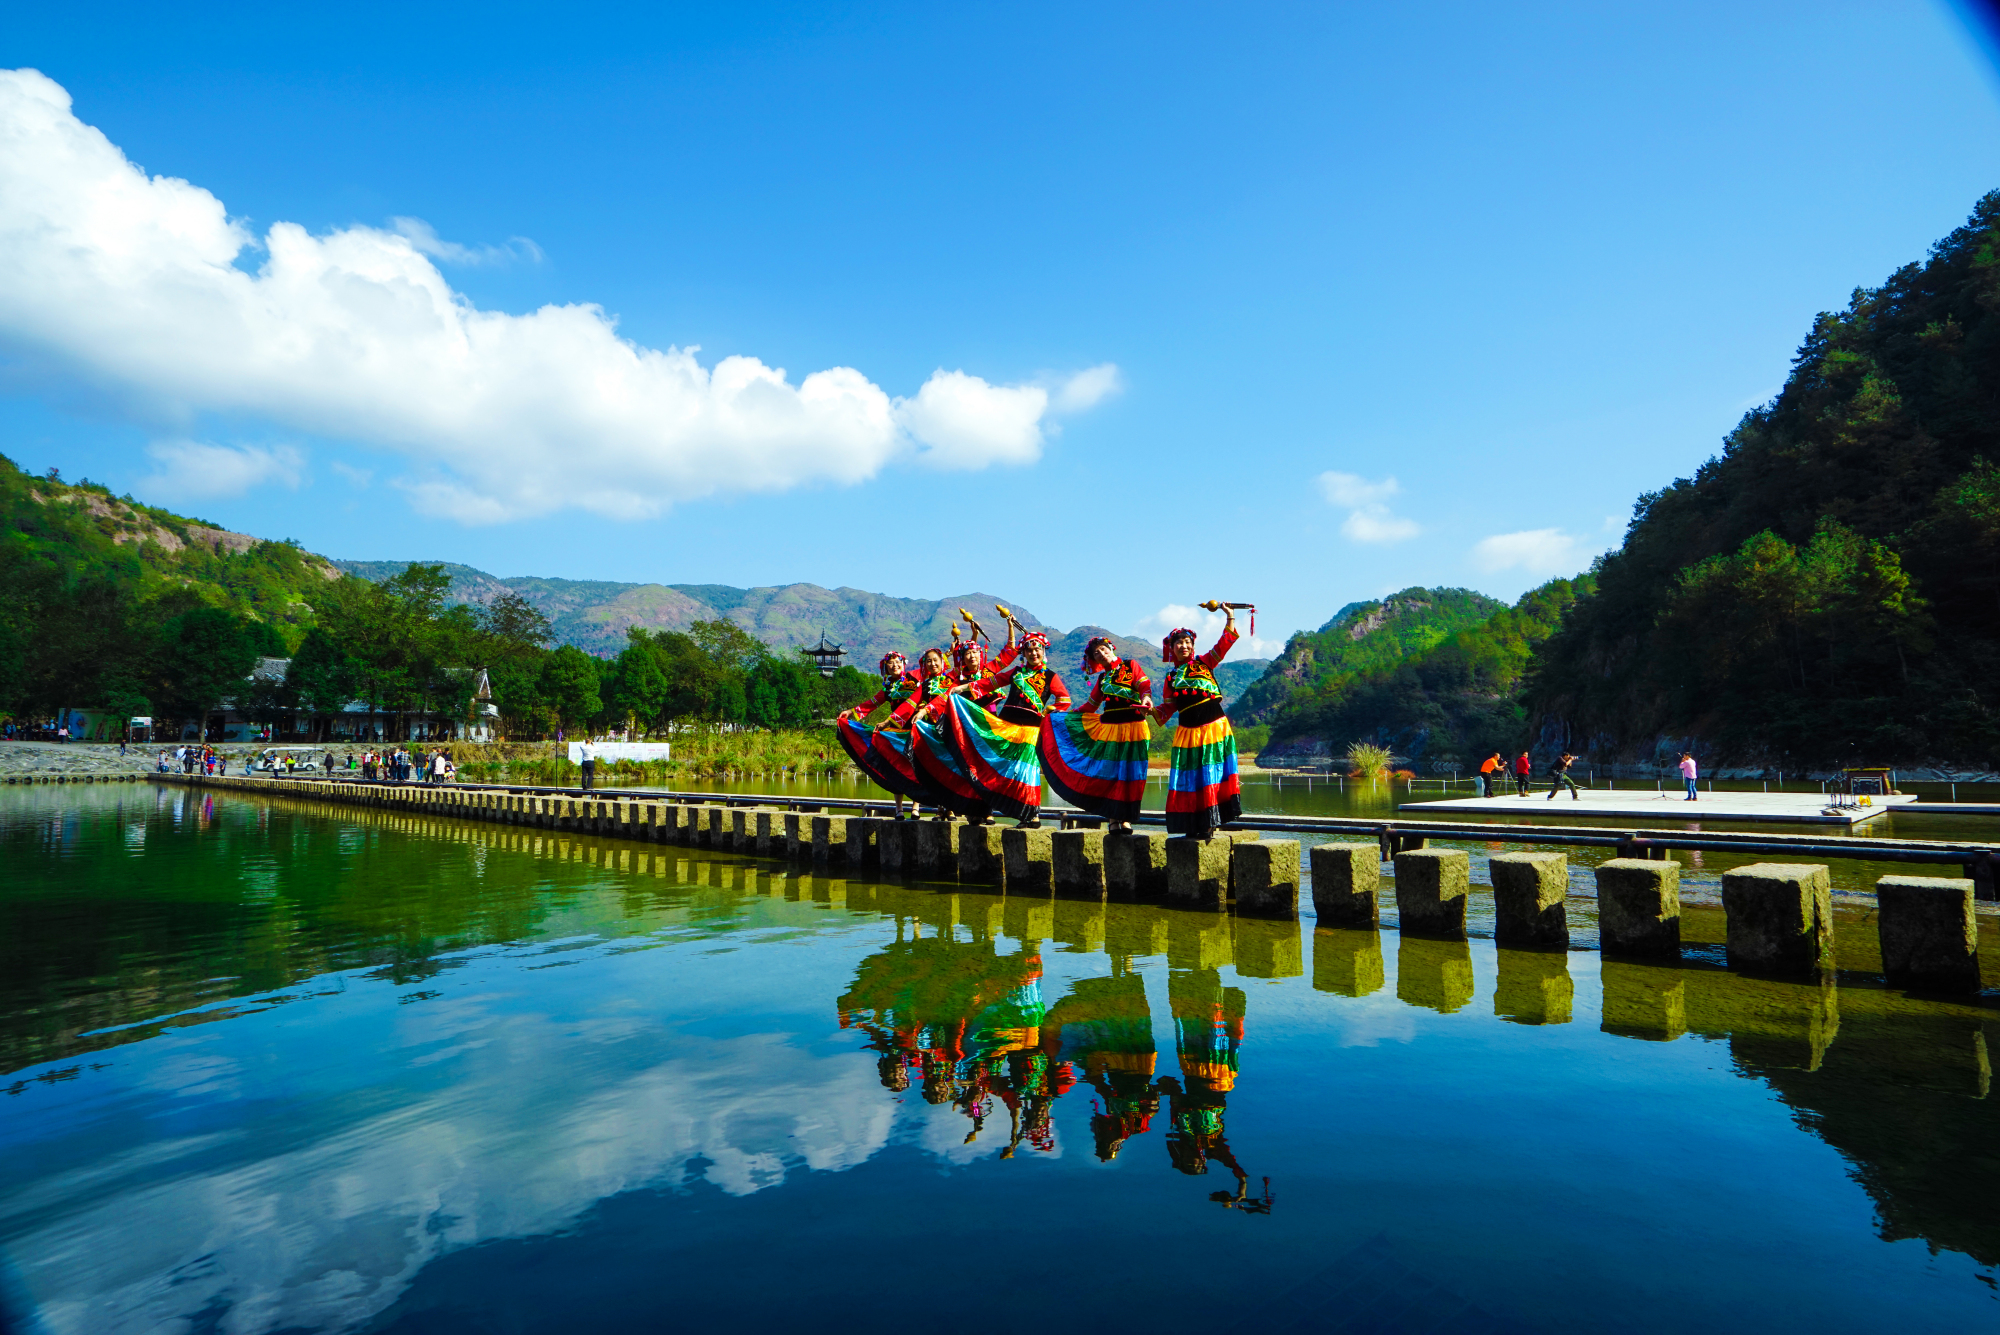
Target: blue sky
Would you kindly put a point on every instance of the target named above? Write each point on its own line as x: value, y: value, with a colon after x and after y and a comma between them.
x: 1140, y: 305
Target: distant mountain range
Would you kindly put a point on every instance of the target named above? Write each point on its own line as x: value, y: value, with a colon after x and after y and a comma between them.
x: 593, y: 615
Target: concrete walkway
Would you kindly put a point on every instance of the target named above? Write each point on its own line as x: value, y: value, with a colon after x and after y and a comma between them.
x: 1645, y: 807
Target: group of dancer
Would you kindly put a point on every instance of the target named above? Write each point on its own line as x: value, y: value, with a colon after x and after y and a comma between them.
x: 979, y: 737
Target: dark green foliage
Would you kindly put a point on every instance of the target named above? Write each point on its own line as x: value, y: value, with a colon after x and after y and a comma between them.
x: 204, y: 655
x: 1456, y: 698
x: 1826, y: 588
x: 569, y: 686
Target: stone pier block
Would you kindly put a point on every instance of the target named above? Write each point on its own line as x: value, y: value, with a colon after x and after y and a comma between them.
x: 1265, y: 874
x: 829, y: 841
x: 1529, y: 895
x: 935, y: 853
x: 716, y: 829
x: 1434, y: 974
x: 980, y: 858
x: 743, y: 829
x: 1533, y: 986
x: 1030, y: 859
x: 1930, y: 937
x: 1135, y: 866
x: 1430, y: 891
x: 1780, y: 917
x: 769, y: 832
x: 1639, y: 907
x: 1646, y: 1001
x: 1078, y: 864
x: 864, y: 842
x: 1347, y: 961
x: 1198, y: 873
x: 1267, y: 947
x: 1199, y: 941
x: 799, y: 836
x: 1346, y: 878
x: 898, y: 842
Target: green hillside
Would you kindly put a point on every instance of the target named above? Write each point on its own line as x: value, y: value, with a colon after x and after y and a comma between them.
x: 1457, y: 698
x: 1826, y: 588
x: 107, y: 601
x: 1317, y: 666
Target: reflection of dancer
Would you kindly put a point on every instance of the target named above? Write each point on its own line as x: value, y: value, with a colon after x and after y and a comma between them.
x: 1208, y: 1031
x: 1202, y: 792
x: 1095, y: 757
x: 1105, y: 1024
x: 997, y: 750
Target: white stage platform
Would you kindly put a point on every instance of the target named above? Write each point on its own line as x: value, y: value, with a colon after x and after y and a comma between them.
x: 1644, y: 808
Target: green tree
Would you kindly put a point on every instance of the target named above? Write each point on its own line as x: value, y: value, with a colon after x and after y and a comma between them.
x: 569, y: 686
x: 205, y: 657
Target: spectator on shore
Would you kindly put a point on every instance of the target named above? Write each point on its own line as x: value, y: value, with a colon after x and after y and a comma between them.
x: 1688, y: 774
x: 1524, y: 770
x: 1559, y: 777
x: 1487, y: 768
x: 589, y: 765
x: 62, y: 733
x: 440, y: 764
x: 329, y: 764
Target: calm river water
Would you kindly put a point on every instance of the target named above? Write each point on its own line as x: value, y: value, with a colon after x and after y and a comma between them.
x: 276, y: 1067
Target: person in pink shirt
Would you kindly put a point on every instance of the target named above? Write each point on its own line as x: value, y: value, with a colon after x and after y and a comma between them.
x: 1688, y: 774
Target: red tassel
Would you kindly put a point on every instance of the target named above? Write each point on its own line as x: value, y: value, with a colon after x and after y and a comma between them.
x: 1253, y: 623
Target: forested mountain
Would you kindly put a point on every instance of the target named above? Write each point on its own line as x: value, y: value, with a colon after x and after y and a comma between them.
x: 594, y: 615
x: 1456, y: 698
x: 1317, y: 666
x: 1826, y: 589
x: 106, y: 602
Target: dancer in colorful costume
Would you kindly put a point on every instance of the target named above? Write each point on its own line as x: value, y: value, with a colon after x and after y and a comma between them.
x: 947, y: 782
x: 883, y: 752
x: 1202, y: 792
x: 1095, y: 757
x: 996, y: 750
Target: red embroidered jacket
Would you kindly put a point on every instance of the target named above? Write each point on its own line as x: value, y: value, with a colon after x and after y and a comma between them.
x: 1194, y: 682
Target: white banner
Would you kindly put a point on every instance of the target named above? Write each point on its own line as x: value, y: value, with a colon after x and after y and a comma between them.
x: 623, y: 751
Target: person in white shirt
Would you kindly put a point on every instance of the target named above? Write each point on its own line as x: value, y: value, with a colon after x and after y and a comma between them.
x: 589, y: 765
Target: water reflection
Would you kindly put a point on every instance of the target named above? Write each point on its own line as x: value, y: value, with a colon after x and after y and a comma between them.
x: 269, y: 1069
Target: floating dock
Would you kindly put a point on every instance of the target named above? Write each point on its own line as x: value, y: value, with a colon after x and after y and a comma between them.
x: 1785, y: 808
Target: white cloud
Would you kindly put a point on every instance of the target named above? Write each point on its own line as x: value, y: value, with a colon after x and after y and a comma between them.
x: 1368, y: 518
x: 195, y: 470
x: 1350, y: 491
x: 425, y: 240
x: 360, y: 477
x: 1538, y: 551
x: 967, y: 423
x: 131, y: 283
x: 1207, y: 625
x: 1087, y: 389
x: 1376, y: 524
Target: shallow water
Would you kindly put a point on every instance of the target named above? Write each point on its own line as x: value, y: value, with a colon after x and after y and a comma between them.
x: 271, y: 1066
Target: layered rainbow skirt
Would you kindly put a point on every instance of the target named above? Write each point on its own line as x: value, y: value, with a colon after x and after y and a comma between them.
x: 1097, y: 766
x: 1202, y: 793
x: 997, y: 757
x: 947, y: 781
x: 883, y: 754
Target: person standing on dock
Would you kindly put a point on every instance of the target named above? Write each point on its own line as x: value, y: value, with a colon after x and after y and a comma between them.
x: 1524, y: 769
x: 1688, y: 775
x: 588, y: 765
x: 1559, y: 776
x: 1487, y: 769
